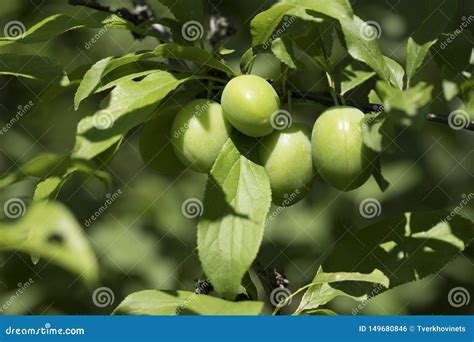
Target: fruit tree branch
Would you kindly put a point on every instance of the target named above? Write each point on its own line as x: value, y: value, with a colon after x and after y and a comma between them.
x: 142, y: 13
x: 326, y: 99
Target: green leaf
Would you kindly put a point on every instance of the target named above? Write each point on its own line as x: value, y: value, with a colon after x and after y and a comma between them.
x: 336, y: 9
x: 377, y: 132
x: 30, y: 66
x: 50, y: 231
x: 401, y: 249
x: 265, y: 23
x: 152, y: 302
x: 353, y: 78
x: 49, y: 28
x: 416, y: 54
x: 193, y: 54
x: 407, y: 101
x: 315, y: 46
x: 440, y: 13
x: 397, y: 71
x: 55, y: 25
x: 92, y: 79
x: 39, y: 167
x: 321, y: 292
x: 129, y: 104
x: 53, y: 170
x: 52, y: 182
x: 320, y: 312
x: 230, y: 231
x: 282, y: 48
x: 184, y: 11
x: 362, y: 48
x: 246, y: 61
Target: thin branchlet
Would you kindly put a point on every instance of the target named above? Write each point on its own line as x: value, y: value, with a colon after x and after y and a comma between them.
x: 326, y: 99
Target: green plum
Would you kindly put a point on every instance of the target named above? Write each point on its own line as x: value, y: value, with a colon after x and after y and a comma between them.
x: 155, y: 145
x: 198, y: 133
x: 339, y: 153
x: 249, y: 102
x: 286, y: 156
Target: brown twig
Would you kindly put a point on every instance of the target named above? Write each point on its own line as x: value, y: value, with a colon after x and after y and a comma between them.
x: 141, y: 14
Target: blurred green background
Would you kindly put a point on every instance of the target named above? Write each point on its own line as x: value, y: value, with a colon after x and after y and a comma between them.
x: 144, y: 242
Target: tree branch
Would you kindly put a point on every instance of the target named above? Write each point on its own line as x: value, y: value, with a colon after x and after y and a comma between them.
x: 326, y: 99
x: 142, y: 13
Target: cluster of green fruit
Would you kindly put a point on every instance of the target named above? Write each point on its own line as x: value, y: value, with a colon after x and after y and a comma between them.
x: 193, y: 136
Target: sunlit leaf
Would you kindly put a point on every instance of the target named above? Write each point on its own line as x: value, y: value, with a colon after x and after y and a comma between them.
x: 230, y: 231
x: 50, y: 231
x: 152, y: 302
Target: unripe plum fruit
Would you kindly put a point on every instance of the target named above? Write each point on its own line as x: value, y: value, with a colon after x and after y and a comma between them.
x: 198, y: 133
x: 155, y: 145
x: 286, y: 156
x: 248, y: 102
x: 339, y: 153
